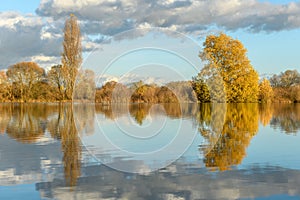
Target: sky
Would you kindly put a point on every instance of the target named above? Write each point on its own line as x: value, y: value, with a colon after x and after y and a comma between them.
x: 32, y: 30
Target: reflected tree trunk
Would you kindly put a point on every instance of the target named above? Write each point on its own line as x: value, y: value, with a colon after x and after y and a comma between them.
x: 70, y: 145
x: 63, y: 127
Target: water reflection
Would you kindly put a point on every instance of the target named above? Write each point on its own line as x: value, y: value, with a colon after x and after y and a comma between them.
x: 286, y: 117
x: 240, y: 125
x: 227, y: 130
x: 70, y: 144
x: 176, y: 182
x: 266, y: 112
x: 139, y: 112
x: 28, y: 123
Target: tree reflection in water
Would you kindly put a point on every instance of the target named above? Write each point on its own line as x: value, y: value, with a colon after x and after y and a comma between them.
x: 266, y: 111
x: 240, y: 125
x: 139, y: 112
x: 226, y: 128
x: 27, y: 123
x: 70, y: 144
x: 286, y: 117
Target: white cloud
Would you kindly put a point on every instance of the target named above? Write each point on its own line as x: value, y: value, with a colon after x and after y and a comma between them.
x: 113, y: 17
x: 41, y: 58
x: 13, y: 20
x: 25, y: 36
x: 129, y: 78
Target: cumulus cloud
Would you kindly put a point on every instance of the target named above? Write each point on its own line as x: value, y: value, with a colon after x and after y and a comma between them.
x: 23, y: 37
x: 113, y: 16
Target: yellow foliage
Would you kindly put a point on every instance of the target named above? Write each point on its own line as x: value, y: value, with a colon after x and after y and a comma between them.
x: 266, y: 93
x: 229, y: 57
x: 241, y: 124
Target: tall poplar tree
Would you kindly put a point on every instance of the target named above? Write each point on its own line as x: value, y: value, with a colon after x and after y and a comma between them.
x: 72, y: 54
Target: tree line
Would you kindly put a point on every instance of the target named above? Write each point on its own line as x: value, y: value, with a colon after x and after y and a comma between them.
x: 27, y: 81
x: 227, y: 76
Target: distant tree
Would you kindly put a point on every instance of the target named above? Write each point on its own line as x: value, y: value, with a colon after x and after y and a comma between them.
x: 183, y: 90
x: 85, y: 85
x: 286, y: 86
x: 228, y: 57
x: 139, y: 90
x: 5, y: 88
x: 105, y: 93
x: 286, y: 79
x: 23, y: 76
x: 72, y: 55
x: 166, y: 95
x: 275, y: 81
x: 295, y: 93
x: 266, y: 93
x: 56, y: 79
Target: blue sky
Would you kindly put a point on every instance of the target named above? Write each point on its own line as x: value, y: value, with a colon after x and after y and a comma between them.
x: 20, y: 5
x: 270, y: 30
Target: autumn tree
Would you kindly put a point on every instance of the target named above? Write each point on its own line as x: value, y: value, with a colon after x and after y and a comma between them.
x: 265, y: 91
x: 56, y: 80
x: 71, y: 56
x: 166, y: 95
x: 228, y: 57
x: 285, y: 79
x: 286, y: 86
x: 5, y: 88
x: 105, y: 93
x: 23, y: 76
x: 295, y: 93
x: 139, y: 90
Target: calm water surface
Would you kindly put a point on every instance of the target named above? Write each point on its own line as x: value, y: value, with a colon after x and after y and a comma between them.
x: 170, y: 151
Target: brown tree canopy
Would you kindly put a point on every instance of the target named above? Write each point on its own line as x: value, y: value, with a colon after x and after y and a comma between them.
x: 23, y: 76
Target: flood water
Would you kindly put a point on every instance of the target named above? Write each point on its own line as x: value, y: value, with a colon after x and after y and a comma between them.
x: 141, y: 151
